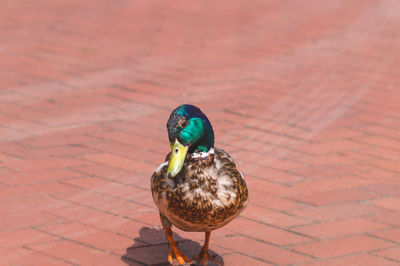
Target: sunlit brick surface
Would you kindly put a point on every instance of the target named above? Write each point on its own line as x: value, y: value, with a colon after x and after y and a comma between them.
x: 305, y: 95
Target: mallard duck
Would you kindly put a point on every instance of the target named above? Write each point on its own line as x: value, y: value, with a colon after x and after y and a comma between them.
x: 197, y: 188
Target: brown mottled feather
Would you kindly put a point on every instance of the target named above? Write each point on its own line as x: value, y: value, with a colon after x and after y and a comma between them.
x: 207, y: 194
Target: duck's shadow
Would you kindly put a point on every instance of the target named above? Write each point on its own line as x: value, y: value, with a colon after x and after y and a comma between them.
x: 151, y: 248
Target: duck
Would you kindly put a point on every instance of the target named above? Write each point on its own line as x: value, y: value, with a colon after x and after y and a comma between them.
x: 197, y: 188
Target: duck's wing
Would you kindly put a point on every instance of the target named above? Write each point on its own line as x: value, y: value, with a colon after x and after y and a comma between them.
x: 232, y: 188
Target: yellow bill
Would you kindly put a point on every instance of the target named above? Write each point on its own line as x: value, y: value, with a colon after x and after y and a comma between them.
x: 178, y: 155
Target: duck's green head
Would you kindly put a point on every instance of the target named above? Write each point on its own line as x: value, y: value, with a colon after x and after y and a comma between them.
x: 189, y: 131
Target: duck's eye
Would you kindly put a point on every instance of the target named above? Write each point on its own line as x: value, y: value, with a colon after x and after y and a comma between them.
x: 182, y: 123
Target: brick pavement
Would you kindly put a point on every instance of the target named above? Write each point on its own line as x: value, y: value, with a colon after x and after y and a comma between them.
x: 306, y: 97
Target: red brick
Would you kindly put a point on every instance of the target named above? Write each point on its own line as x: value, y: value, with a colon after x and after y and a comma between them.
x: 384, y: 153
x: 333, y: 159
x: 261, y: 199
x: 267, y: 187
x: 320, y: 198
x: 383, y: 142
x: 44, y: 163
x: 18, y: 215
x: 388, y: 203
x: 253, y: 145
x: 392, y: 218
x: 89, y: 236
x: 137, y: 141
x: 106, y: 186
x: 41, y: 189
x: 363, y: 259
x: 24, y: 236
x: 331, y: 171
x: 11, y: 134
x: 149, y: 255
x: 8, y: 158
x: 125, y: 150
x: 142, y: 130
x: 6, y: 174
x: 339, y: 183
x: 200, y: 236
x: 145, y: 98
x: 267, y: 161
x: 239, y: 260
x: 334, y: 212
x: 268, y: 174
x: 58, y: 140
x: 267, y: 136
x: 261, y: 250
x: 342, y: 246
x: 24, y: 256
x: 392, y: 235
x: 146, y: 216
x: 104, y: 202
x: 40, y: 175
x: 390, y: 189
x: 390, y: 253
x: 336, y: 134
x: 76, y: 253
x: 337, y: 146
x: 272, y: 217
x: 111, y: 173
x: 341, y: 228
x: 387, y: 165
x: 381, y: 131
x: 264, y: 232
x: 58, y: 151
x: 96, y: 218
x: 121, y: 162
x: 117, y: 224
x: 377, y: 174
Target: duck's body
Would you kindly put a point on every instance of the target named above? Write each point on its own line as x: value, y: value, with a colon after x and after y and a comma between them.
x: 209, y: 193
x: 198, y: 187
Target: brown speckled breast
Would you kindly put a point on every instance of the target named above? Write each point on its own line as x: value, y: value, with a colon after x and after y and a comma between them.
x: 208, y: 193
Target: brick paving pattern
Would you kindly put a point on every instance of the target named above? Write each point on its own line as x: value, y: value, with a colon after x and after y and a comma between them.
x: 304, y: 95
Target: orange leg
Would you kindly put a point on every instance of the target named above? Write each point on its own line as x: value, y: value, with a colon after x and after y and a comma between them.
x: 204, y: 256
x: 173, y: 249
